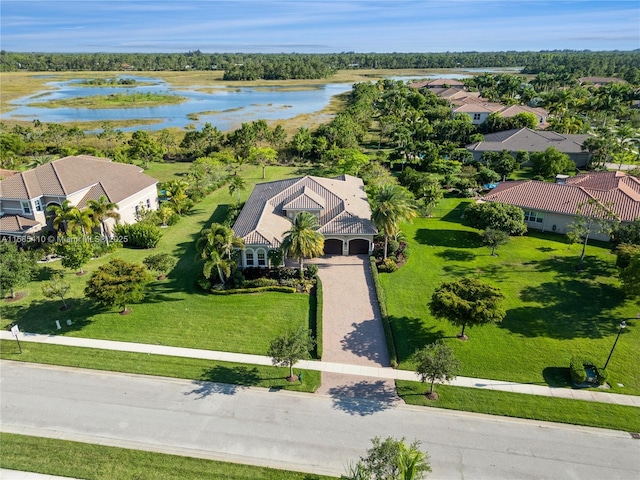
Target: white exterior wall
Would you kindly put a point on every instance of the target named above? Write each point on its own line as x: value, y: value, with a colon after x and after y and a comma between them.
x: 127, y: 207
x: 559, y: 223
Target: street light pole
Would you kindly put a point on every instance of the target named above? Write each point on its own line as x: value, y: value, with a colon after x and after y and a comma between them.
x: 623, y: 325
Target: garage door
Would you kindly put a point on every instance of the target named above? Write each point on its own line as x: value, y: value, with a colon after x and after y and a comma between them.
x: 358, y: 246
x: 333, y: 246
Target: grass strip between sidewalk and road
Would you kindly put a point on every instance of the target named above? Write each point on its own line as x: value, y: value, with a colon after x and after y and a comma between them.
x: 100, y: 462
x: 160, y: 365
x: 533, y: 407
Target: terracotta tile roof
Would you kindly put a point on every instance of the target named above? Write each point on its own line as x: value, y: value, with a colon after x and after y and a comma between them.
x: 343, y: 203
x: 17, y: 225
x: 68, y: 175
x: 530, y: 141
x: 618, y: 189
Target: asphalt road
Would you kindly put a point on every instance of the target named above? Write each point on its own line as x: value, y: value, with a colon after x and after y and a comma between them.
x: 306, y: 432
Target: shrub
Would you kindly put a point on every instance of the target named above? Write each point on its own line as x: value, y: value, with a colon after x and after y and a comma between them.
x: 576, y: 367
x: 311, y: 271
x: 141, y: 235
x: 601, y: 376
x: 388, y: 265
x: 260, y: 282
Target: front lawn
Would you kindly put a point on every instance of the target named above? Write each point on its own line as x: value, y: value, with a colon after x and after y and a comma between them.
x: 553, y: 311
x: 175, y: 311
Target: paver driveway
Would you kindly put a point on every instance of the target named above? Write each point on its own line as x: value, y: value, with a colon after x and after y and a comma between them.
x: 352, y: 327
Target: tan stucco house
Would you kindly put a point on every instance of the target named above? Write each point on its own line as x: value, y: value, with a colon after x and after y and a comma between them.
x: 25, y: 196
x: 340, y: 204
x: 552, y: 206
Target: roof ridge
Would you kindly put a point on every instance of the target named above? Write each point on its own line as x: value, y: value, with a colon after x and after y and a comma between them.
x: 58, y: 176
x: 24, y: 182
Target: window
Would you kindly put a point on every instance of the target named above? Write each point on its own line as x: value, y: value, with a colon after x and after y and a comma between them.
x: 533, y: 217
x: 26, y: 208
x: 149, y: 203
x: 476, y: 116
x: 38, y: 205
x: 262, y: 259
x: 249, y: 257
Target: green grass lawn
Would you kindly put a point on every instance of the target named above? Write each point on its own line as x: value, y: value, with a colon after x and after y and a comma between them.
x: 100, y: 462
x: 175, y: 311
x: 553, y: 312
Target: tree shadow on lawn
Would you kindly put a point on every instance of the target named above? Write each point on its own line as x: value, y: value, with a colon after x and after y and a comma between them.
x: 565, y: 267
x: 223, y: 380
x: 570, y: 309
x: 40, y: 316
x: 411, y: 334
x: 453, y: 255
x: 363, y: 398
x: 557, y: 376
x: 448, y: 238
x: 496, y: 273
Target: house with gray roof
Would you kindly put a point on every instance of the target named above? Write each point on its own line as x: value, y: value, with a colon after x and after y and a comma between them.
x: 553, y: 206
x: 25, y: 196
x: 532, y: 141
x: 340, y: 204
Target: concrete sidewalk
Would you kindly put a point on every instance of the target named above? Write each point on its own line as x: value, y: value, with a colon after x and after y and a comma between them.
x: 6, y: 474
x: 385, y: 373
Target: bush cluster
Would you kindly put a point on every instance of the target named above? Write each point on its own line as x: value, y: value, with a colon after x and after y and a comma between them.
x: 140, y: 235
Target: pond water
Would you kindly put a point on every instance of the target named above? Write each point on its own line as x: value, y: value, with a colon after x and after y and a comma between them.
x: 223, y: 107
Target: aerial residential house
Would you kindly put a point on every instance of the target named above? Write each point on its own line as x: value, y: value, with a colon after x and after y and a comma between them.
x: 552, y: 206
x: 25, y: 196
x: 339, y: 203
x: 439, y: 83
x: 525, y: 139
x: 600, y: 81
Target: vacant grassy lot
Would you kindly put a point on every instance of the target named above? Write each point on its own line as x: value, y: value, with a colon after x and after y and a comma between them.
x: 115, y: 100
x: 83, y: 460
x: 553, y: 312
x: 175, y: 311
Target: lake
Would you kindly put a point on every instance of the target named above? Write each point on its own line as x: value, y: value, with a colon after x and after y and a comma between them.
x: 225, y: 107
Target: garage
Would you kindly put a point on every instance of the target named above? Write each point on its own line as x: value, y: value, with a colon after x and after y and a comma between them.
x: 358, y: 247
x: 333, y: 246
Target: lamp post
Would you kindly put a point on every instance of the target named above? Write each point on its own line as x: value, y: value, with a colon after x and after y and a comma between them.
x: 623, y: 325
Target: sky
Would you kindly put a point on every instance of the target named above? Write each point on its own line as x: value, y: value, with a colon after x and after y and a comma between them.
x: 317, y: 26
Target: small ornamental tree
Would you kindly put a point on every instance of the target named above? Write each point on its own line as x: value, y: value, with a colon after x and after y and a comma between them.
x: 118, y: 283
x: 286, y: 350
x: 436, y: 363
x: 592, y: 217
x: 630, y: 276
x: 496, y: 215
x: 57, y: 287
x: 391, y: 459
x: 16, y: 267
x: 467, y: 301
x: 75, y: 253
x: 493, y: 238
x: 551, y: 162
x: 161, y: 263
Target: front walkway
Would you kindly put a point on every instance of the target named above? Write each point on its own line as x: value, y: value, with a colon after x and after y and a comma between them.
x: 381, y: 373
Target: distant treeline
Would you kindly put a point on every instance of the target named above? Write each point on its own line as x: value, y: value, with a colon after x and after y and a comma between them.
x: 241, y: 66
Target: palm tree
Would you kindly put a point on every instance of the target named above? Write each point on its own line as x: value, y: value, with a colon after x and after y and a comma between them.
x: 39, y: 160
x: 80, y: 220
x: 214, y: 260
x: 392, y: 205
x: 220, y: 238
x: 236, y: 185
x: 101, y: 210
x: 303, y: 239
x: 61, y: 215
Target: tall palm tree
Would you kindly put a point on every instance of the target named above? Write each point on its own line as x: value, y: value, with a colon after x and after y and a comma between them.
x: 220, y: 238
x: 236, y: 185
x: 80, y: 220
x: 61, y: 215
x: 101, y: 210
x: 213, y: 260
x: 303, y: 239
x: 392, y: 205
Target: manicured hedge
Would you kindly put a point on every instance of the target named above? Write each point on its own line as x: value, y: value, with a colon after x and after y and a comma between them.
x: 318, y: 323
x: 388, y: 331
x: 254, y: 290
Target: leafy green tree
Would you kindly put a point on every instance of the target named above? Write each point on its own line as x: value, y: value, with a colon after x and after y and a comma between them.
x: 144, y: 148
x: 160, y: 262
x: 496, y: 215
x: 592, y: 217
x: 551, y: 162
x: 436, y: 363
x: 236, y: 185
x: 75, y: 253
x: 467, y: 301
x: 263, y: 156
x: 302, y: 142
x: 626, y: 233
x: 165, y: 212
x: 391, y: 459
x: 303, y: 239
x: 16, y: 267
x: 118, y: 283
x: 494, y: 238
x: 424, y: 186
x: 57, y: 287
x: 391, y: 205
x: 101, y: 210
x: 630, y: 277
x: 346, y: 160
x: 288, y: 349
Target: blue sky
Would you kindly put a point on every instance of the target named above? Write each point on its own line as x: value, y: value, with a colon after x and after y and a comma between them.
x: 317, y: 26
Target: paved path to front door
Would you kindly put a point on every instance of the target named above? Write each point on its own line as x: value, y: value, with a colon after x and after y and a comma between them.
x: 352, y: 327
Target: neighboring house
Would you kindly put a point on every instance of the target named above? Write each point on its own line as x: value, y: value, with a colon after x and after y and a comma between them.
x: 552, y: 206
x: 339, y: 203
x: 439, y: 83
x: 479, y: 109
x: 599, y: 81
x: 532, y: 141
x: 25, y: 196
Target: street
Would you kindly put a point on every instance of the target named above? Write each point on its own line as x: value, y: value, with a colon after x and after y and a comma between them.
x: 306, y: 432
